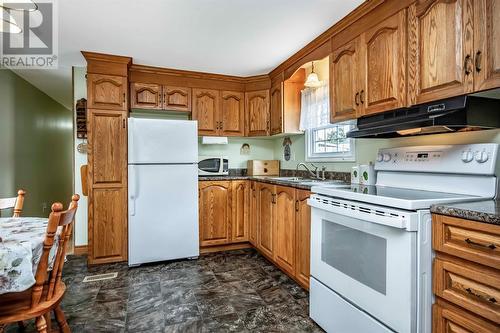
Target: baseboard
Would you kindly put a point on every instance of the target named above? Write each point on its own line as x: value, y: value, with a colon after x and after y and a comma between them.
x: 228, y: 247
x: 80, y: 250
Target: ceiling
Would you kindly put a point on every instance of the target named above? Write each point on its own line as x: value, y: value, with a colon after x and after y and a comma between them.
x: 234, y: 37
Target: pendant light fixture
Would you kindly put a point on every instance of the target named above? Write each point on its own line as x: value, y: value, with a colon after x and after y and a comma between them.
x: 312, y: 79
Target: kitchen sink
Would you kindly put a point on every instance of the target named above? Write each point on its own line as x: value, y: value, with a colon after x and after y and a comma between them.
x: 288, y: 179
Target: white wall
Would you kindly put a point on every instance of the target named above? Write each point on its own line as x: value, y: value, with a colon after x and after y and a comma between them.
x: 79, y: 91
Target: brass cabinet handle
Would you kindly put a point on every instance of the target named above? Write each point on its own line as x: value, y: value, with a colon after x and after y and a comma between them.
x: 479, y: 60
x: 356, y: 98
x: 123, y: 122
x: 273, y: 198
x: 472, y: 292
x: 361, y: 98
x: 220, y: 124
x: 124, y: 98
x: 471, y: 242
x: 296, y: 205
x: 468, y: 64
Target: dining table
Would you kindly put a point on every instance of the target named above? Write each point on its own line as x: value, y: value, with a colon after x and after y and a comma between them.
x: 21, y: 246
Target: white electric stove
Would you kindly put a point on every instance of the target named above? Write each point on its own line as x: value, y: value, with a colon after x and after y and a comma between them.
x: 371, y: 254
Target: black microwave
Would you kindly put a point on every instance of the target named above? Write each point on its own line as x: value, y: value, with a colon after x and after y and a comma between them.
x: 213, y: 165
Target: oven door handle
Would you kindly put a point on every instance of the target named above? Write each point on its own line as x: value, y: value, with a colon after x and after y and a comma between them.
x: 408, y: 222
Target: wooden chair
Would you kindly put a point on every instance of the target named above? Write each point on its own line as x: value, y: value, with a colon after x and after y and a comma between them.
x: 15, y: 202
x: 47, y: 293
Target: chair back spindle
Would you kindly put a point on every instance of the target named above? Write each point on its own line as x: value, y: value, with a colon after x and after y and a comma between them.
x: 14, y: 202
x: 57, y: 218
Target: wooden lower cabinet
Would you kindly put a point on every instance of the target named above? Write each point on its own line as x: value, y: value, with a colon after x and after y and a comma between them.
x: 253, y: 215
x: 265, y: 224
x: 448, y: 318
x: 240, y: 191
x: 284, y: 228
x: 276, y: 220
x: 214, y: 212
x: 107, y: 225
x: 302, y: 237
x: 466, y: 275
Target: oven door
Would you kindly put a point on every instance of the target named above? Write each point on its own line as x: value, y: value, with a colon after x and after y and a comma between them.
x: 372, y: 265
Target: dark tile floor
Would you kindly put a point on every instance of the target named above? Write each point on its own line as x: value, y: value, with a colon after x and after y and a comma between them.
x: 237, y: 291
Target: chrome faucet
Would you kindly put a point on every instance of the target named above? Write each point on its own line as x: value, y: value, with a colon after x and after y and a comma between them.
x: 314, y: 174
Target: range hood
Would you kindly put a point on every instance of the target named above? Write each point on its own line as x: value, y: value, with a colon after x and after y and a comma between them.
x: 461, y: 113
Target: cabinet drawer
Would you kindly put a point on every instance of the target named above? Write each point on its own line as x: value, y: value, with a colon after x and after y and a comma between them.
x: 451, y: 319
x: 474, y: 241
x: 472, y: 287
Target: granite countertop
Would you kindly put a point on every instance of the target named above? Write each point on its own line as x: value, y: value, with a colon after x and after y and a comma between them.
x: 486, y: 211
x: 264, y: 179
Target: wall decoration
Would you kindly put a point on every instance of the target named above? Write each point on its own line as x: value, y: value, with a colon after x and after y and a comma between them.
x: 81, y: 118
x: 245, y: 149
x: 287, y: 151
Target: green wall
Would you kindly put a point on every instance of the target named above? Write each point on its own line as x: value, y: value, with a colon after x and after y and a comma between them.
x: 366, y: 149
x: 36, y: 143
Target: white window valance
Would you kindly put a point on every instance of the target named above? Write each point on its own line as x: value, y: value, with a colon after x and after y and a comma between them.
x: 315, y: 107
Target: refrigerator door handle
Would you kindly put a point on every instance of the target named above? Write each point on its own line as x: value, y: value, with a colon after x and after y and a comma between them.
x: 132, y: 190
x: 130, y: 138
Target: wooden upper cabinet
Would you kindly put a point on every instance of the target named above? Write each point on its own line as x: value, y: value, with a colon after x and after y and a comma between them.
x: 145, y: 96
x: 257, y: 110
x: 240, y: 195
x: 108, y: 148
x: 214, y: 212
x: 440, y: 49
x: 107, y: 92
x: 277, y: 108
x: 232, y: 115
x: 383, y: 66
x: 284, y: 230
x: 177, y: 98
x: 206, y: 104
x: 266, y: 197
x: 302, y: 238
x: 486, y: 44
x: 344, y: 82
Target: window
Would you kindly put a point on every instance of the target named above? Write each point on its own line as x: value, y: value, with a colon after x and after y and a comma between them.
x: 329, y: 143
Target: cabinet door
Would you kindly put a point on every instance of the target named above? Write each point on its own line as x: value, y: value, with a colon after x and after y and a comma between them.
x: 277, y: 108
x: 486, y: 44
x: 302, y: 237
x: 107, y: 135
x: 232, y: 113
x: 284, y: 229
x: 266, y: 217
x: 215, y: 212
x: 344, y: 82
x: 107, y: 225
x: 440, y: 49
x: 257, y: 106
x: 177, y: 98
x: 145, y: 96
x: 206, y: 111
x: 107, y: 92
x: 254, y: 215
x: 240, y: 192
x: 383, y: 65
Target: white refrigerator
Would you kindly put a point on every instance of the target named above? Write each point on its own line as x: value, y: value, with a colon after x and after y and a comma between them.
x: 162, y: 190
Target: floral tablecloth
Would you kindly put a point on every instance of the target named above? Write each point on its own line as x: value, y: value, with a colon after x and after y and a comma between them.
x: 21, y: 244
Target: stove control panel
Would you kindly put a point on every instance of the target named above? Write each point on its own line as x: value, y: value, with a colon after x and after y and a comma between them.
x: 479, y: 159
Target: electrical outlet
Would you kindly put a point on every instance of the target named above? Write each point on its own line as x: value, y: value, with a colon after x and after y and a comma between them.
x: 44, y: 206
